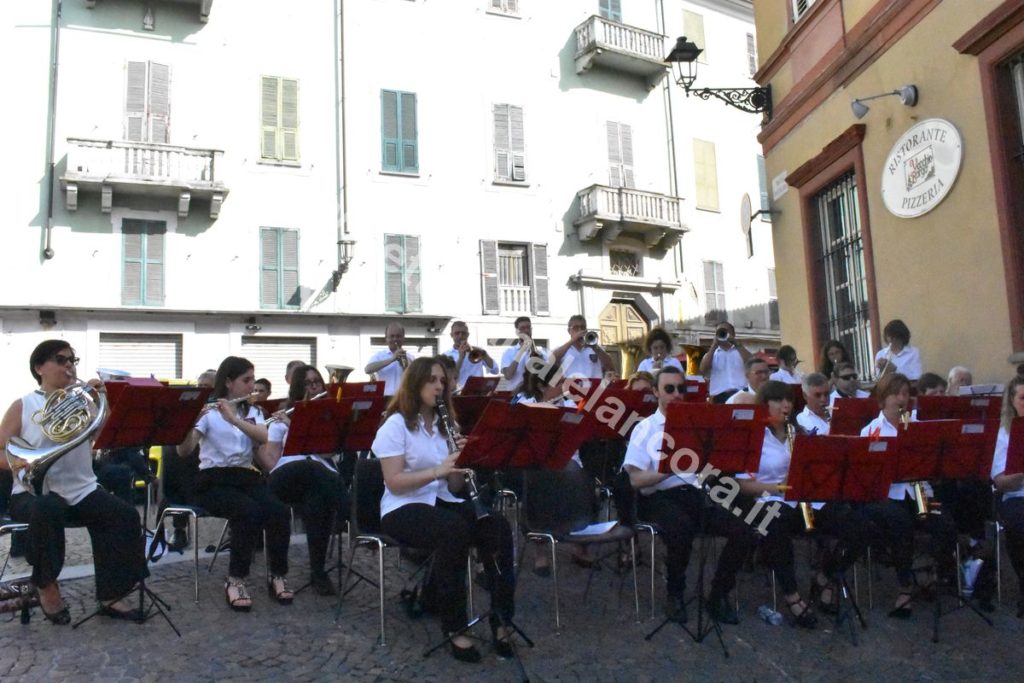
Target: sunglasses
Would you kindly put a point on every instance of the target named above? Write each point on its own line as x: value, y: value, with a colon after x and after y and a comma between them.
x: 61, y: 359
x: 848, y: 377
x: 673, y: 388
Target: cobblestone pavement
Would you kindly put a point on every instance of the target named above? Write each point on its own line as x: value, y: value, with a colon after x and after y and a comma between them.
x: 600, y: 639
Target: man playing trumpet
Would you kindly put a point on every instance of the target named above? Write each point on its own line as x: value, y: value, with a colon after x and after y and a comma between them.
x: 389, y: 364
x: 70, y: 495
x: 469, y: 360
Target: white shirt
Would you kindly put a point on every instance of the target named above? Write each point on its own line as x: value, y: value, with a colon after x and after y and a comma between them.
x: 896, y: 491
x: 741, y: 395
x: 812, y: 423
x: 835, y: 394
x: 421, y: 450
x: 999, y: 461
x: 581, y: 363
x: 469, y: 368
x: 774, y: 468
x: 644, y: 453
x: 647, y: 365
x: 509, y: 357
x: 71, y: 476
x: 726, y: 371
x: 223, y: 444
x: 907, y: 361
x: 390, y: 374
x: 784, y: 375
x: 278, y: 433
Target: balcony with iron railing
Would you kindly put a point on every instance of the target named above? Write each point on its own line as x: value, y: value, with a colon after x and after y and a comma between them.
x: 608, y: 211
x: 142, y: 168
x: 617, y: 47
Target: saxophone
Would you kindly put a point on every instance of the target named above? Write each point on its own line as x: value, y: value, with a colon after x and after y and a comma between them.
x: 920, y: 495
x: 806, y: 509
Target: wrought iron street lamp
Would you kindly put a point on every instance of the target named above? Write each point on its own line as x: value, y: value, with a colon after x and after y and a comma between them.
x: 683, y: 57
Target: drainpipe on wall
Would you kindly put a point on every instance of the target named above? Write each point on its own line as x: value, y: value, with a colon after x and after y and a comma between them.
x: 51, y: 126
x: 341, y: 149
x: 670, y: 130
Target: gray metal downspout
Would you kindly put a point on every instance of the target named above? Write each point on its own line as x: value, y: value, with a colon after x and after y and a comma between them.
x: 341, y: 155
x: 51, y: 125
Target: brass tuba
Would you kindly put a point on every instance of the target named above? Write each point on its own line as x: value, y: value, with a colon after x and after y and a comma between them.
x: 63, y: 419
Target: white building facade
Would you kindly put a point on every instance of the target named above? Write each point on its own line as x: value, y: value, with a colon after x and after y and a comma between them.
x: 201, y: 178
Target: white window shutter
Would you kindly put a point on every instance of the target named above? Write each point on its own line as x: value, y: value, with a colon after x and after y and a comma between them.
x: 131, y: 280
x: 269, y: 291
x: 413, y: 294
x: 489, y: 277
x: 290, y: 268
x: 135, y: 101
x: 154, y: 294
x: 512, y: 6
x: 614, y: 154
x: 539, y: 270
x: 269, y: 119
x: 626, y: 142
x: 289, y: 143
x: 159, y: 100
x: 394, y: 258
x: 518, y: 140
x: 502, y: 144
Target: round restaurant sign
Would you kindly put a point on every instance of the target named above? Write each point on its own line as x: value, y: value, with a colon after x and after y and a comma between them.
x: 921, y: 168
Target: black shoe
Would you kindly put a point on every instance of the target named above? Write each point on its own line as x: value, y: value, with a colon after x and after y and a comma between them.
x: 802, y: 614
x: 903, y: 608
x: 470, y: 654
x: 179, y: 541
x: 502, y: 646
x: 720, y: 609
x: 19, y: 540
x: 675, y: 609
x: 61, y: 617
x: 322, y: 585
x: 818, y: 597
x: 134, y: 614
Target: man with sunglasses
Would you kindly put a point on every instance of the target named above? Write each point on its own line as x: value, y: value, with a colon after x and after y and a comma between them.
x: 845, y: 381
x: 757, y: 372
x: 675, y: 503
x: 71, y: 497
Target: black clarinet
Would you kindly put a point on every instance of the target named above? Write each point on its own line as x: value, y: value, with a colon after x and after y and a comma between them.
x: 474, y: 493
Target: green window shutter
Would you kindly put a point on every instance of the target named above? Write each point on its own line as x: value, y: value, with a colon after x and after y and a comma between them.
x: 502, y: 143
x: 762, y: 180
x: 410, y: 150
x: 154, y: 267
x: 693, y: 28
x: 135, y: 101
x: 289, y: 250
x: 489, y: 277
x: 159, y: 100
x: 611, y: 9
x: 142, y: 273
x: 394, y: 259
x: 389, y: 137
x: 288, y: 145
x: 269, y: 264
x: 539, y: 270
x: 131, y: 274
x: 518, y: 143
x: 413, y: 283
x: 269, y: 119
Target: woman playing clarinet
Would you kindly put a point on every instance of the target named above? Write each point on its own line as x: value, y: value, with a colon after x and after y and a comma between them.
x: 1011, y: 484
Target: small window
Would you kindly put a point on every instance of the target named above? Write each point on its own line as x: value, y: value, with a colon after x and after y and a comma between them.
x: 279, y: 117
x: 402, y: 274
x: 800, y: 8
x: 142, y: 272
x: 751, y: 54
x: 279, y: 269
x: 503, y: 6
x: 620, y: 154
x: 399, y: 146
x: 514, y: 278
x: 624, y: 263
x: 714, y: 292
x: 610, y: 9
x: 773, y: 301
x: 509, y: 144
x: 147, y: 102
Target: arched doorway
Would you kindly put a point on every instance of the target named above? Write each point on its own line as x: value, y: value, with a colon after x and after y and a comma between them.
x: 623, y: 328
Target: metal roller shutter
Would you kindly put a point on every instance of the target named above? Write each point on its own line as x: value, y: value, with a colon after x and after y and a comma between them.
x: 270, y: 356
x: 143, y: 355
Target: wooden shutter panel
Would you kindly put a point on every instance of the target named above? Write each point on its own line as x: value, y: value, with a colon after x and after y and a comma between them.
x: 751, y: 54
x: 269, y: 290
x: 154, y: 273
x: 135, y: 101
x: 705, y: 174
x: 159, y: 102
x: 693, y: 28
x: 393, y: 261
x: 502, y: 144
x: 626, y: 143
x: 290, y: 293
x: 539, y: 270
x: 496, y: 4
x: 614, y: 154
x: 289, y: 145
x: 410, y: 153
x: 518, y: 143
x: 268, y: 117
x: 512, y: 6
x: 389, y: 130
x: 413, y: 296
x: 489, y: 277
x: 131, y: 280
x: 762, y: 180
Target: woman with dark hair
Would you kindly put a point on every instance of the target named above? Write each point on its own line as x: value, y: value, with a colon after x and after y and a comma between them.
x: 788, y: 361
x: 71, y: 496
x: 229, y: 485
x: 831, y: 353
x: 419, y: 509
x: 899, y: 356
x: 1011, y: 484
x: 658, y: 345
x: 309, y: 483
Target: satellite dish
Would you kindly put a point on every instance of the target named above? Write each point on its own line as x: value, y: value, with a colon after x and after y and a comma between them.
x: 745, y: 216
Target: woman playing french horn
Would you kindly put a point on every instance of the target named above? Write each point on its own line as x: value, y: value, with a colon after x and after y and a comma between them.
x: 70, y: 495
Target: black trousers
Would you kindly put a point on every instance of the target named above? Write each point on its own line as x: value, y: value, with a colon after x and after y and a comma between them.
x: 448, y: 530
x: 895, y: 521
x: 240, y: 495
x: 677, y: 513
x: 1011, y: 511
x: 179, y: 481
x: 114, y: 529
x: 968, y: 502
x: 318, y: 495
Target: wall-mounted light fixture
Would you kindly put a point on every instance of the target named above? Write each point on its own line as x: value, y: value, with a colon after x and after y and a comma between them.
x: 148, y: 20
x: 346, y: 252
x: 252, y: 326
x: 907, y: 95
x: 751, y: 100
x: 47, y: 319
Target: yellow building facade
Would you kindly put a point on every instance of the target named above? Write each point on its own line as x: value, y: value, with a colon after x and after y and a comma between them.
x: 946, y: 257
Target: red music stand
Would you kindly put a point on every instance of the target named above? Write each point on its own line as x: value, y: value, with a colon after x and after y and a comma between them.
x: 849, y: 415
x: 332, y: 426
x: 522, y: 437
x: 270, y: 406
x: 618, y: 384
x: 468, y: 409
x: 1015, y: 450
x: 945, y: 450
x: 356, y: 389
x: 959, y: 407
x: 696, y: 391
x: 612, y: 414
x: 728, y: 436
x: 479, y: 386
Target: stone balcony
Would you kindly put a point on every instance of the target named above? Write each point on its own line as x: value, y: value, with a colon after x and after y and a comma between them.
x: 606, y: 212
x: 203, y: 5
x: 617, y: 47
x: 150, y: 169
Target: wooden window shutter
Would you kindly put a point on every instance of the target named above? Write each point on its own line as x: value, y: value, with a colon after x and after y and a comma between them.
x: 626, y: 143
x: 268, y: 116
x: 288, y: 145
x: 389, y: 131
x: 762, y: 180
x: 693, y: 28
x: 131, y: 278
x: 154, y: 266
x: 291, y: 296
x: 705, y: 171
x: 135, y: 101
x: 489, y: 277
x: 512, y: 6
x: 159, y: 100
x: 410, y: 151
x: 751, y: 54
x: 539, y: 270
x: 394, y: 259
x: 518, y: 141
x: 614, y: 154
x: 502, y: 143
x: 413, y: 283
x: 269, y: 259
x: 611, y: 9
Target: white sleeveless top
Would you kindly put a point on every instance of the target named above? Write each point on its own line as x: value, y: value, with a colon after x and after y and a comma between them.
x: 71, y: 477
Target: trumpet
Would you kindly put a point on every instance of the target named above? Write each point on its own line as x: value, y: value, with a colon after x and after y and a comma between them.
x: 403, y: 360
x: 276, y: 417
x: 591, y: 338
x: 475, y: 354
x: 806, y: 509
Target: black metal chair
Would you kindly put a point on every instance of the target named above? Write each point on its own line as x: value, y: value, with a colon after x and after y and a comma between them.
x: 557, y: 503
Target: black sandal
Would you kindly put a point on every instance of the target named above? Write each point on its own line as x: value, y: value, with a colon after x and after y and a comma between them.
x: 806, y: 618
x: 818, y: 593
x: 903, y: 608
x: 241, y: 595
x: 61, y: 617
x: 279, y: 591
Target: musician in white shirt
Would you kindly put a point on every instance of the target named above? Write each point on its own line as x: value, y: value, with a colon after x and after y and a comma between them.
x: 788, y: 361
x: 846, y: 382
x: 756, y: 372
x: 658, y: 345
x: 462, y: 353
x: 904, y: 358
x: 814, y: 418
x: 577, y: 359
x: 388, y: 365
x: 722, y: 365
x: 513, y: 360
x: 1011, y: 484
